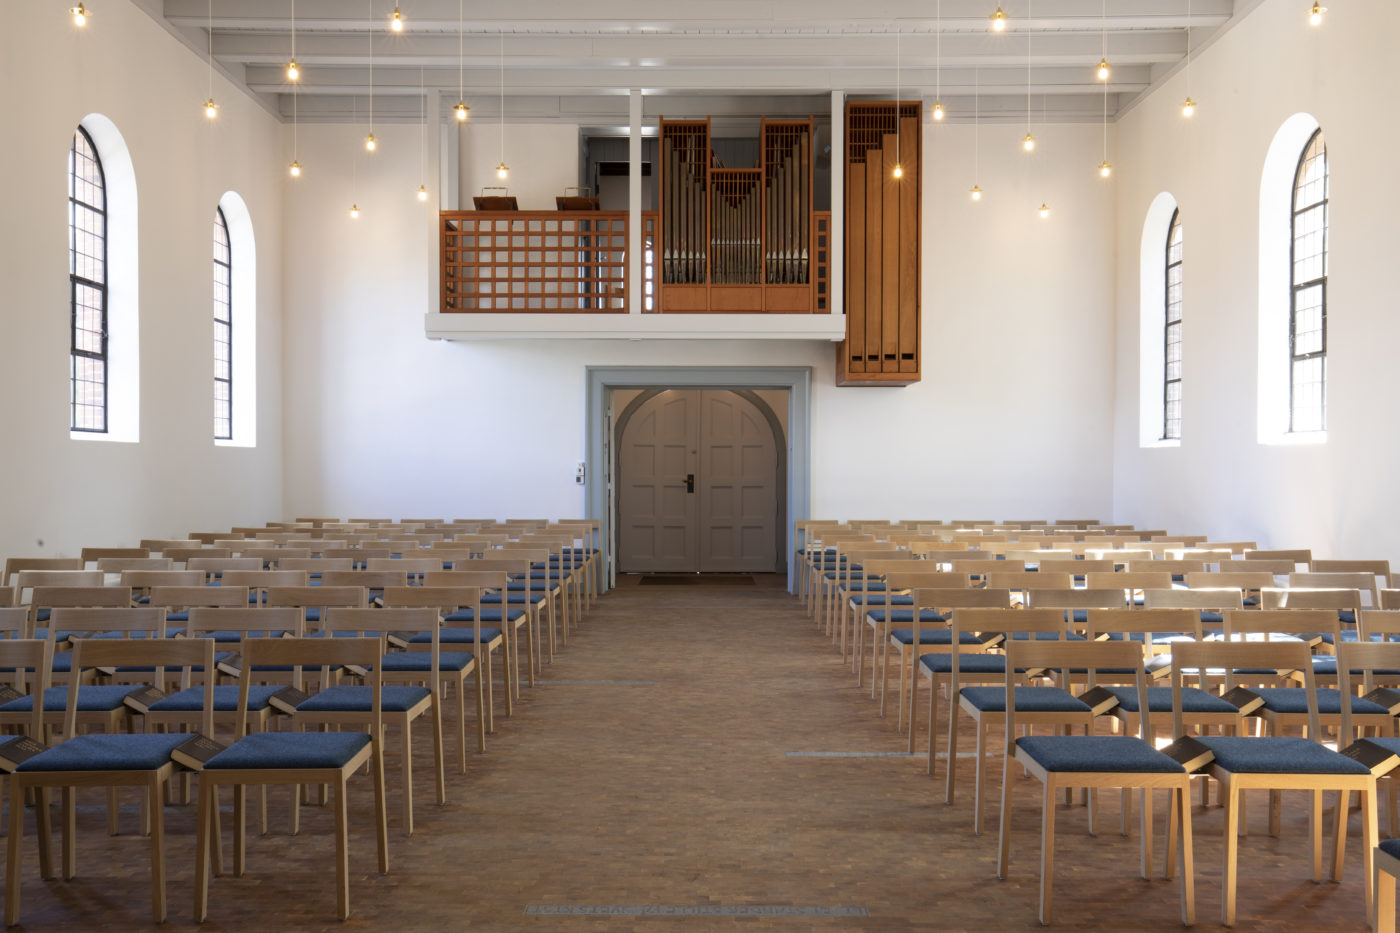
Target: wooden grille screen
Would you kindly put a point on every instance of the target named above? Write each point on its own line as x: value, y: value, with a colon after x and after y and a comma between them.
x: 821, y: 222
x: 557, y: 261
x: 882, y: 245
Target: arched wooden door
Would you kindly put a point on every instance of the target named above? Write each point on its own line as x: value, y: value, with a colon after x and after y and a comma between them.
x: 698, y: 485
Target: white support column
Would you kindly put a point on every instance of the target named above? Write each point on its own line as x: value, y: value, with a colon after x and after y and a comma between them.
x: 437, y: 197
x: 634, y: 202
x: 836, y: 236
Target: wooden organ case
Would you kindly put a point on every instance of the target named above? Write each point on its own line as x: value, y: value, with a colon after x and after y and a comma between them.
x: 882, y: 245
x: 738, y: 240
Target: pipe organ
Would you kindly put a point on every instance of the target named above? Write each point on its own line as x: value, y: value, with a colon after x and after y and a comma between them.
x: 737, y: 239
x: 882, y: 245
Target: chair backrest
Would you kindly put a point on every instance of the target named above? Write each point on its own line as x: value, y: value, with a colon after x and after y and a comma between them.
x: 74, y: 597
x: 144, y: 580
x: 411, y: 565
x: 272, y: 557
x: 1215, y: 600
x: 1077, y: 567
x: 1258, y: 565
x: 320, y: 598
x: 1023, y: 580
x: 259, y: 581
x: 1212, y: 556
x: 383, y: 621
x: 1067, y: 656
x: 889, y: 562
x: 988, y: 566
x: 1234, y: 547
x: 158, y: 545
x: 1377, y: 568
x: 480, y: 579
x: 185, y: 653
x: 1287, y: 622
x: 190, y: 597
x: 1293, y: 555
x: 1378, y: 625
x: 30, y: 579
x: 14, y: 623
x: 445, y: 599
x: 31, y: 660
x: 1338, y: 580
x: 325, y: 653
x: 1365, y: 658
x: 1143, y: 622
x: 14, y: 565
x: 372, y: 579
x: 206, y: 620
x: 1205, y: 657
x: 1176, y: 568
x: 1246, y: 581
x: 212, y: 567
x: 1140, y: 580
x: 182, y: 555
x: 123, y: 564
x: 1276, y: 598
x: 91, y: 554
x: 316, y: 564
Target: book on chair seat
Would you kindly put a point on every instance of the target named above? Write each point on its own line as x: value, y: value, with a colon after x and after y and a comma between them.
x: 8, y: 693
x: 194, y: 752
x: 16, y: 750
x: 1100, y: 700
x: 1379, y: 759
x: 1191, y: 754
x: 1243, y: 699
x: 140, y: 699
x: 991, y: 639
x: 1388, y: 697
x: 397, y: 639
x: 230, y: 666
x: 288, y: 699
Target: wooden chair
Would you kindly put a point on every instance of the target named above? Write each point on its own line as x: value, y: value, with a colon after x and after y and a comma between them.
x: 296, y: 758
x: 1210, y: 603
x: 402, y: 702
x: 537, y: 597
x: 921, y: 638
x: 1244, y: 763
x: 1248, y: 582
x: 1133, y: 583
x: 104, y: 760
x: 1075, y: 602
x: 1293, y: 556
x: 494, y: 626
x: 259, y: 581
x: 1065, y: 762
x: 1339, y: 580
x: 986, y: 705
x: 873, y: 564
x: 92, y: 555
x: 16, y: 565
x: 1385, y: 860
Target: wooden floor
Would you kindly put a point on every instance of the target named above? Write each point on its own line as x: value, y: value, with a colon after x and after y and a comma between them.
x: 653, y: 767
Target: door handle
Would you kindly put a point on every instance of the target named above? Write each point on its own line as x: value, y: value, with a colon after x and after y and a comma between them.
x: 690, y: 482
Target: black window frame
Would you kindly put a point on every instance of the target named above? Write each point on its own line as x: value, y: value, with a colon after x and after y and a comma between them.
x: 1168, y: 323
x: 1320, y: 282
x: 76, y: 281
x: 222, y: 222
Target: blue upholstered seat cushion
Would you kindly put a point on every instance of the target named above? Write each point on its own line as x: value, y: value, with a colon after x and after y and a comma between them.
x: 887, y: 599
x: 1329, y: 701
x: 1326, y: 665
x: 1046, y: 636
x: 455, y: 636
x: 515, y: 598
x: 92, y: 698
x: 933, y: 636
x: 1391, y: 847
x: 1028, y: 700
x: 1159, y: 700
x: 487, y: 615
x: 419, y: 661
x: 1120, y: 753
x: 108, y: 752
x: 289, y: 750
x: 352, y: 698
x: 1277, y: 755
x: 225, y: 699
x: 905, y: 616
x: 851, y: 574
x: 969, y: 662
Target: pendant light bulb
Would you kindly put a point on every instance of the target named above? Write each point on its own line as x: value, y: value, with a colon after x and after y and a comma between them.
x: 1044, y: 210
x: 461, y: 111
x: 295, y: 169
x: 998, y: 20
x: 976, y: 193
x: 396, y: 21
x: 293, y: 71
x: 354, y: 211
x: 1103, y: 69
x: 370, y: 143
x: 1105, y: 169
x: 80, y: 15
x: 1314, y: 15
x: 1188, y: 107
x: 211, y: 109
x: 502, y: 171
x: 422, y: 193
x: 1028, y: 143
x: 938, y: 111
x: 898, y: 170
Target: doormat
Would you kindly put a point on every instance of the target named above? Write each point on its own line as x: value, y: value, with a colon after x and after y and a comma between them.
x: 696, y: 579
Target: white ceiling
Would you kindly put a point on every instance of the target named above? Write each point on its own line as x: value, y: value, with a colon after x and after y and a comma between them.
x: 742, y: 57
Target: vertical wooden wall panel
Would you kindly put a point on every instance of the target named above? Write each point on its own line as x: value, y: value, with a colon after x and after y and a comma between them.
x: 909, y: 238
x: 852, y: 349
x: 874, y: 269
x: 891, y: 191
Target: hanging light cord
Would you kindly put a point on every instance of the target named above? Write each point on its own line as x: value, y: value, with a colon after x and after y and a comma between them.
x: 1188, y: 48
x: 294, y: 30
x: 211, y: 49
x: 422, y: 128
x: 371, y: 67
x: 898, y: 136
x: 976, y: 124
x: 502, y: 104
x: 460, y: 85
x: 938, y: 51
x: 1028, y: 67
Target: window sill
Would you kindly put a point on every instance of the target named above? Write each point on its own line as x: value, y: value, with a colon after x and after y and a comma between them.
x: 1161, y: 442
x: 108, y: 437
x: 1296, y: 439
x: 234, y: 443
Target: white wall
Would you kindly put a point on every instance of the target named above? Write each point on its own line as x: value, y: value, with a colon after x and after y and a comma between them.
x: 1013, y: 415
x: 69, y: 493
x: 1339, y: 497
x: 543, y: 160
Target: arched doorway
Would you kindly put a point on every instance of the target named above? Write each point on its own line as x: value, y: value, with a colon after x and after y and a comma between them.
x: 701, y: 481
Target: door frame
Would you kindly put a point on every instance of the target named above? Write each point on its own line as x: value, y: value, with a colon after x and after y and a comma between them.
x: 602, y: 380
x: 775, y: 427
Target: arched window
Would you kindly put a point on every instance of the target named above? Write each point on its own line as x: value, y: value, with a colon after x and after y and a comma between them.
x: 223, y: 330
x: 87, y: 286
x: 1171, y: 334
x: 1307, y: 315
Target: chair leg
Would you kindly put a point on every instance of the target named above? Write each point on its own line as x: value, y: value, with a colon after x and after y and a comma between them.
x: 14, y: 851
x: 1383, y: 915
x: 1168, y: 852
x: 1315, y: 830
x: 1004, y: 827
x: 480, y: 713
x: 155, y: 791
x: 950, y: 767
x: 913, y: 699
x: 1339, y: 833
x: 1232, y: 852
x: 439, y: 762
x: 1186, y: 855
x: 381, y: 808
x: 69, y: 833
x: 208, y: 801
x: 490, y: 689
x: 1147, y: 828
x: 407, y: 778
x: 342, y: 851
x: 240, y: 831
x: 1047, y: 853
